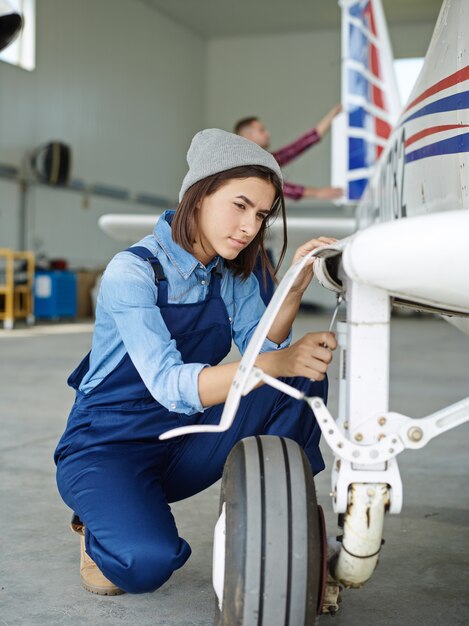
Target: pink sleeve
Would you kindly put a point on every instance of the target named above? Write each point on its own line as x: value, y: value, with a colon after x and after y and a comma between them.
x: 292, y: 150
x: 295, y: 192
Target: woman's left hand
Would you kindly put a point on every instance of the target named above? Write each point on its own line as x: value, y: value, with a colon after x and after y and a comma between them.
x: 306, y: 275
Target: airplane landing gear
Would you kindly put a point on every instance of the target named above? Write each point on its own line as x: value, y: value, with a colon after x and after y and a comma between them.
x: 270, y: 547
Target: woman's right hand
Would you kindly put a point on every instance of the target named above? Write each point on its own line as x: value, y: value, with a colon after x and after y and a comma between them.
x: 309, y: 357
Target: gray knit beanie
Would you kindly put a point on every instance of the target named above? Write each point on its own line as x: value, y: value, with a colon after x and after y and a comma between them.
x: 213, y: 150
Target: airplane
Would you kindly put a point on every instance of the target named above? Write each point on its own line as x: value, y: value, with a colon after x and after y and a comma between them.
x: 409, y: 250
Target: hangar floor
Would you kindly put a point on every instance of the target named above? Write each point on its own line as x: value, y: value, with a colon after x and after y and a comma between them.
x: 423, y: 575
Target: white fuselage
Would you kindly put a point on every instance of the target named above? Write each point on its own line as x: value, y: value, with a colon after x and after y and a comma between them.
x: 425, y: 165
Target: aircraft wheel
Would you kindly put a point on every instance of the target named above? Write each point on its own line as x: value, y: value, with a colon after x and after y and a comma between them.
x: 268, y: 549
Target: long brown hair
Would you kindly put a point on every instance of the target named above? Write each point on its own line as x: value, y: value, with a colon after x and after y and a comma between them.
x: 185, y: 222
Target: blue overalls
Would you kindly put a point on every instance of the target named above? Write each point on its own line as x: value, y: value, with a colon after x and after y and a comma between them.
x: 266, y: 285
x: 118, y: 477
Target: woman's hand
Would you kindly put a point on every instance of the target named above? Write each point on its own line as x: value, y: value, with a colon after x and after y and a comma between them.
x: 306, y: 275
x: 309, y: 357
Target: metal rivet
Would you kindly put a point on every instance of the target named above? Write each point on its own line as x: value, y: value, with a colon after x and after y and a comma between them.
x: 358, y: 437
x: 382, y: 421
x: 415, y: 433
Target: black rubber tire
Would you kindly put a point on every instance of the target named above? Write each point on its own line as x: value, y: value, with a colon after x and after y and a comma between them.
x: 273, y: 553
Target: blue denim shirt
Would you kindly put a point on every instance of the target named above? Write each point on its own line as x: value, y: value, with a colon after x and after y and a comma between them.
x: 127, y: 319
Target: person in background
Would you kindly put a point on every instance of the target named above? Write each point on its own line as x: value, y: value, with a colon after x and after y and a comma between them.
x: 253, y: 128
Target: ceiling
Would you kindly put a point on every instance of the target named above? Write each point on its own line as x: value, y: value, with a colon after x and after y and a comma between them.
x: 224, y: 18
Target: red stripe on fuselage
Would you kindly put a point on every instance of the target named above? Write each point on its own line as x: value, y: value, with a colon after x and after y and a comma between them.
x: 458, y: 77
x: 430, y: 131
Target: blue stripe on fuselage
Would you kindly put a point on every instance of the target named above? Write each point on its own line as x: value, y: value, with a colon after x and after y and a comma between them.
x: 451, y: 103
x: 453, y: 145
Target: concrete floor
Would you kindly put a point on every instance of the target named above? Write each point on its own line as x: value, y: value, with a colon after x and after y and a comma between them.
x: 423, y: 575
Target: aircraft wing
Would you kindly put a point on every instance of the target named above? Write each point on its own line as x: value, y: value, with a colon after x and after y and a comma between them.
x: 128, y: 227
x: 420, y: 262
x: 132, y: 227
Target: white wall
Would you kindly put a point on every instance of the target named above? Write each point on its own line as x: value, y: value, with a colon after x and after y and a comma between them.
x: 289, y: 81
x: 124, y: 86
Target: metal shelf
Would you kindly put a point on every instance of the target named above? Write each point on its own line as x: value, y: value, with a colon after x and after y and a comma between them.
x: 12, y: 173
x: 16, y: 286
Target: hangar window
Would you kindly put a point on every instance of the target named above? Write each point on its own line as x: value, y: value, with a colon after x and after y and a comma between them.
x: 22, y: 52
x: 407, y: 71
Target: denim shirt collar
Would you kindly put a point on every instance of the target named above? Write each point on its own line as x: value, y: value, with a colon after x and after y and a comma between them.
x: 182, y: 260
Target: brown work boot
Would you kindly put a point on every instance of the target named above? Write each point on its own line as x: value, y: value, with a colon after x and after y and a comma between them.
x: 91, y: 577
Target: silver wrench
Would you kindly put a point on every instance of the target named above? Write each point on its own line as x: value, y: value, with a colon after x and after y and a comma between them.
x: 340, y: 299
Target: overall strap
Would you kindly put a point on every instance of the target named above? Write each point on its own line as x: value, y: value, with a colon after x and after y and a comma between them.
x: 215, y: 282
x: 160, y: 278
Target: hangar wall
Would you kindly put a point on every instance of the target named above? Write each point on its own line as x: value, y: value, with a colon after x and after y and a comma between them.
x: 124, y: 86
